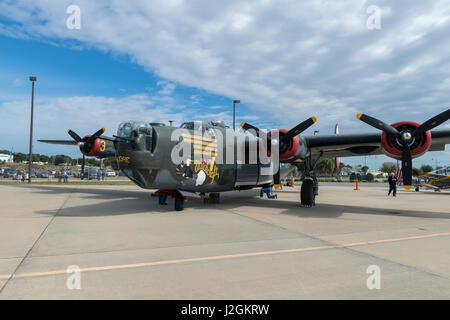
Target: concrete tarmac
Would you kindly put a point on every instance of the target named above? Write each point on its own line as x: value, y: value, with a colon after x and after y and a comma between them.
x: 129, y: 247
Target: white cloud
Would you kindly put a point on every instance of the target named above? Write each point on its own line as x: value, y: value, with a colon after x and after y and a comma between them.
x: 83, y: 114
x: 167, y: 88
x: 285, y: 59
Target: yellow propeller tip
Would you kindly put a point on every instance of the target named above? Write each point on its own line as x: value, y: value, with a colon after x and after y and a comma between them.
x: 314, y: 119
x: 103, y: 129
x: 359, y: 115
x: 68, y: 130
x: 242, y: 124
x: 276, y: 186
x: 407, y: 187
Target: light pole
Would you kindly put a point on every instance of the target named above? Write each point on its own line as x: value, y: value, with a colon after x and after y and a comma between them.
x: 30, y: 160
x: 234, y: 112
x: 171, y: 121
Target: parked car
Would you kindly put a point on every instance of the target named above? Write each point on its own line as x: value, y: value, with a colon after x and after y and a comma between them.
x: 110, y: 173
x: 42, y: 174
x: 33, y: 174
x: 77, y: 173
x: 9, y: 173
x: 91, y: 173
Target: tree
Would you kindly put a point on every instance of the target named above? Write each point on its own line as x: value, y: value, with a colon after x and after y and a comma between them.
x: 426, y: 168
x: 19, y: 157
x: 417, y: 171
x: 388, y: 167
x: 325, y: 166
x: 355, y: 175
x: 365, y: 169
x: 369, y: 177
x: 61, y: 158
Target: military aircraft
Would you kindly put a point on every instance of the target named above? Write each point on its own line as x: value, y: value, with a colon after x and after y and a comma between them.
x: 145, y: 152
x: 437, y: 180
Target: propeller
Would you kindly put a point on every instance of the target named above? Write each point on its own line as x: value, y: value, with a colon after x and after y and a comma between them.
x: 85, y: 145
x: 284, y: 139
x: 406, y: 138
x: 299, y: 128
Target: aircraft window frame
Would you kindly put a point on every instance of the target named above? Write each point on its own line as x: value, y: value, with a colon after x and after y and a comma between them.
x: 124, y: 130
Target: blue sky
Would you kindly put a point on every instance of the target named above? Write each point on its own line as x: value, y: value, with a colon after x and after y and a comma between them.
x: 175, y: 60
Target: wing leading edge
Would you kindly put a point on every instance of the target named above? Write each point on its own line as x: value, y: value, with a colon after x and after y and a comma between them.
x: 353, y: 145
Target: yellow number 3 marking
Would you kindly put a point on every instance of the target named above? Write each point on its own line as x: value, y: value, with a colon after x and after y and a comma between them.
x: 102, y: 145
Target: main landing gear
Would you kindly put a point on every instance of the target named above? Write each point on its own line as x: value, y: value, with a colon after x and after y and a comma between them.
x: 179, y: 202
x: 310, y: 186
x: 179, y: 195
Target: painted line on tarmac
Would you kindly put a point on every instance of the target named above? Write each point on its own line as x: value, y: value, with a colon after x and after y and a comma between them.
x: 223, y: 257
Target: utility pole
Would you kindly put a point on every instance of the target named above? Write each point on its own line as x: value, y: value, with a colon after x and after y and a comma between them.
x: 30, y: 160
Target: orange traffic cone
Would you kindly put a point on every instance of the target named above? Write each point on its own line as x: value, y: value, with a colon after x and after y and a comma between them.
x: 357, y: 185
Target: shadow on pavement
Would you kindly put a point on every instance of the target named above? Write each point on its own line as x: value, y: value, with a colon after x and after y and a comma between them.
x: 122, y: 202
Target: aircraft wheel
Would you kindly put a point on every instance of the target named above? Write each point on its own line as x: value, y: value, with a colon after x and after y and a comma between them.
x: 179, y: 203
x: 307, y: 192
x: 417, y: 189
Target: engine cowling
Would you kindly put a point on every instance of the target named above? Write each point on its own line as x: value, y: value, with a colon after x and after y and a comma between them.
x: 90, y: 149
x: 393, y: 148
x: 289, y: 148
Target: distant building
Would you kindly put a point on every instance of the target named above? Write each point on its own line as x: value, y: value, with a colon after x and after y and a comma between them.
x: 6, y: 158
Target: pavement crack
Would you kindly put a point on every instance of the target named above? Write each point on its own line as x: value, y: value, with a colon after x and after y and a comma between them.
x: 34, y: 244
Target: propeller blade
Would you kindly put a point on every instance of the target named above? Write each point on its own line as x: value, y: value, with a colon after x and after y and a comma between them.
x: 377, y: 124
x: 75, y: 136
x: 407, y: 167
x: 96, y: 135
x: 246, y: 126
x: 433, y: 122
x: 64, y: 142
x: 299, y: 128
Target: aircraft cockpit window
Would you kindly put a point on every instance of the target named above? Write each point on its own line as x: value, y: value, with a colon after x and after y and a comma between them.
x: 216, y: 123
x: 187, y: 125
x: 196, y: 125
x: 144, y: 129
x: 124, y: 130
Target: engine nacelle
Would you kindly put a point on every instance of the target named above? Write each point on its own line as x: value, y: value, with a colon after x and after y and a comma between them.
x: 393, y: 148
x: 288, y: 149
x: 95, y: 148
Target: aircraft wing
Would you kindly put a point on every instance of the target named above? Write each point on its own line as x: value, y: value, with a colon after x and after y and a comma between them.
x: 352, y: 145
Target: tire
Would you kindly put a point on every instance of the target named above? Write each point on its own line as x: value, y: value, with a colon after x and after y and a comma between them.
x: 179, y: 203
x: 417, y: 189
x: 307, y: 192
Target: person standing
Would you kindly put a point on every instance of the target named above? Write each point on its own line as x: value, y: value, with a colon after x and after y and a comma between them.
x: 392, y: 185
x: 162, y: 199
